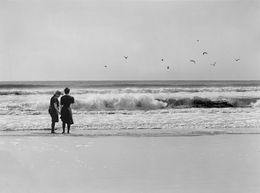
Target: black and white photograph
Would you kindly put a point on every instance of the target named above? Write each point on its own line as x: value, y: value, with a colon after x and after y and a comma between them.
x: 129, y: 96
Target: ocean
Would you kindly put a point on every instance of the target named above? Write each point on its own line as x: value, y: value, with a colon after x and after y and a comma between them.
x: 135, y: 108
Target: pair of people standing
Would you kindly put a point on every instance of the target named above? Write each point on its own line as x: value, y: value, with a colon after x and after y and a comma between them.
x: 66, y: 113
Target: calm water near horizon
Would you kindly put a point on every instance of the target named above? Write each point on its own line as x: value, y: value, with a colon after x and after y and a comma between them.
x: 131, y: 83
x: 139, y: 108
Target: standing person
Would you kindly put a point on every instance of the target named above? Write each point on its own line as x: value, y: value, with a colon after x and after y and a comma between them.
x: 54, y: 109
x: 66, y: 113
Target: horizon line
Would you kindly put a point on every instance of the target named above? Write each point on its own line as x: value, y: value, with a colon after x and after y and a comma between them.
x: 121, y: 80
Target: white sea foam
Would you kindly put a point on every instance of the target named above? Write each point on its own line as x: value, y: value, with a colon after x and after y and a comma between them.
x: 138, y: 109
x: 35, y: 104
x: 256, y: 104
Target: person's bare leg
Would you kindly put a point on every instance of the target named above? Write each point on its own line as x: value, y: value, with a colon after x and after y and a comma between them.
x: 52, y: 127
x: 63, y: 127
x: 68, y: 127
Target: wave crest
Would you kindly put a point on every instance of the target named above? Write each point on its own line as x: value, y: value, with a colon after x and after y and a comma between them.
x: 146, y: 102
x: 198, y: 102
x: 125, y: 102
x: 133, y: 90
x: 133, y: 102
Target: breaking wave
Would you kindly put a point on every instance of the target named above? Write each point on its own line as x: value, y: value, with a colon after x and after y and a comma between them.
x: 134, y: 90
x: 24, y: 92
x: 145, y: 102
x: 131, y: 103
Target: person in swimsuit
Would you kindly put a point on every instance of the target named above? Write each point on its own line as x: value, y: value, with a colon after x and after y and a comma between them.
x: 66, y: 113
x: 54, y: 109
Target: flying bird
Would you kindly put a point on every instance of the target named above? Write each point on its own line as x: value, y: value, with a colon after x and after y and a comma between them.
x: 105, y: 66
x: 162, y: 59
x: 214, y: 64
x: 237, y: 59
x: 198, y: 40
x: 125, y: 57
x: 205, y: 53
x: 168, y: 67
x: 193, y: 61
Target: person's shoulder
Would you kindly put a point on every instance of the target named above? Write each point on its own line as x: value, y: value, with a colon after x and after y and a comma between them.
x: 72, y: 99
x: 53, y: 98
x: 65, y: 97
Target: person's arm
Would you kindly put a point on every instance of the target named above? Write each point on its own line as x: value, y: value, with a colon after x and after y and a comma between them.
x: 56, y: 107
x: 61, y: 104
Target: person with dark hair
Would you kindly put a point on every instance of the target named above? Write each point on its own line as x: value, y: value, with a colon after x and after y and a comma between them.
x: 54, y: 110
x: 66, y: 113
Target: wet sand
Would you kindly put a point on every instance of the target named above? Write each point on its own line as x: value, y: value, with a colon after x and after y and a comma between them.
x: 192, y: 164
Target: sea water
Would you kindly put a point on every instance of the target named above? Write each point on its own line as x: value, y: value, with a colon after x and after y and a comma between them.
x: 135, y: 108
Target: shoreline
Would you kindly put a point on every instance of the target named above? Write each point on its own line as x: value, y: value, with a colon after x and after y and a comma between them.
x: 124, y: 133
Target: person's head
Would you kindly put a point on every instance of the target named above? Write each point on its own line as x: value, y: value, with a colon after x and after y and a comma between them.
x: 57, y: 93
x: 66, y: 90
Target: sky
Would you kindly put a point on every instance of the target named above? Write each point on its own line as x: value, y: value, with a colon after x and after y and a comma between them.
x: 75, y: 39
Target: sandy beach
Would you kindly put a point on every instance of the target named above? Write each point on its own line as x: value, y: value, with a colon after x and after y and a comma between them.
x: 202, y: 164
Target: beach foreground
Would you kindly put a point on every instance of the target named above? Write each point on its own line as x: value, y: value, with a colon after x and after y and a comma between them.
x: 203, y: 164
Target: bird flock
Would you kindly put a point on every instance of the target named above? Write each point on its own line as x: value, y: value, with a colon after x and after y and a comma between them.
x: 191, y: 60
x: 211, y: 64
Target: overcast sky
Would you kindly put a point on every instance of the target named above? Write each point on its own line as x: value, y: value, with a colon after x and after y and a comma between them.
x: 74, y: 40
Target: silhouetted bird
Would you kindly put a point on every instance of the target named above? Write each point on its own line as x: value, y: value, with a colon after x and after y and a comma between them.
x: 237, y: 59
x: 198, y: 40
x: 214, y: 64
x: 205, y: 53
x: 105, y: 66
x: 125, y: 57
x: 162, y: 59
x: 168, y: 67
x: 193, y: 61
